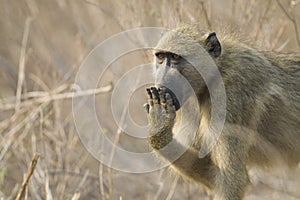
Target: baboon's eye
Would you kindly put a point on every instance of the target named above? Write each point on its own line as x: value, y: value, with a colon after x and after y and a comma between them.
x: 176, y: 57
x: 160, y: 56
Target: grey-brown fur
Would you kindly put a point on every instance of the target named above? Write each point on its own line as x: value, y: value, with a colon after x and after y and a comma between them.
x: 262, y: 126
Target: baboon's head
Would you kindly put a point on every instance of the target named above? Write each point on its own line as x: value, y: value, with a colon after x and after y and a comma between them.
x: 175, y: 57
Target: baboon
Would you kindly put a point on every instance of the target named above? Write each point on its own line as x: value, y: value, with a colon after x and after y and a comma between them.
x: 262, y: 122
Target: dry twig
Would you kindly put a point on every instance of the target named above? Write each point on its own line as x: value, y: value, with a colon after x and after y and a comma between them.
x: 52, y: 97
x: 262, y: 20
x: 21, y: 74
x: 292, y: 19
x: 205, y: 14
x: 28, y: 175
x: 101, y: 180
x: 172, y: 189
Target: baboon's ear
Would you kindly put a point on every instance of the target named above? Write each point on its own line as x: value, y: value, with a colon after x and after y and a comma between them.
x: 213, y: 45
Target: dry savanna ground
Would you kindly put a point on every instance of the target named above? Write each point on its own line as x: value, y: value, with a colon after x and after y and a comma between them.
x: 42, y: 45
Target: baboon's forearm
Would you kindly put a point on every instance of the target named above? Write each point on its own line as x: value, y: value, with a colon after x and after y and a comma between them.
x: 198, y: 169
x: 185, y: 160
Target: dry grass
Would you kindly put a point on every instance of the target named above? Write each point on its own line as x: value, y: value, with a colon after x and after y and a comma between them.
x: 42, y: 45
x: 31, y: 168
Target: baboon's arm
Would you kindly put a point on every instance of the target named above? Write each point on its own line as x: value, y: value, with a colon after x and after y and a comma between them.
x: 188, y: 164
x: 191, y: 166
x: 161, y: 114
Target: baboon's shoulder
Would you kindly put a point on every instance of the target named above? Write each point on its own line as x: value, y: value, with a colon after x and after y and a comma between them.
x: 284, y: 61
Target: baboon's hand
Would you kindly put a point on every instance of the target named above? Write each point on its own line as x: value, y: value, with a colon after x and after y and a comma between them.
x: 160, y: 109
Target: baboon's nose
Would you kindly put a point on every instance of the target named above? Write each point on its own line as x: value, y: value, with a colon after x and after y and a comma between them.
x: 175, y: 99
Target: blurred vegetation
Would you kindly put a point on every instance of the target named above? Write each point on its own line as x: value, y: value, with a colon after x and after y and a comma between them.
x: 43, y: 43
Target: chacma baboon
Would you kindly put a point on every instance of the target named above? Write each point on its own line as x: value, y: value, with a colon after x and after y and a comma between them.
x: 262, y: 124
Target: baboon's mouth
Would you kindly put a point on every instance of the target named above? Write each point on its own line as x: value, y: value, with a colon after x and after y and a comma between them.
x: 173, y: 96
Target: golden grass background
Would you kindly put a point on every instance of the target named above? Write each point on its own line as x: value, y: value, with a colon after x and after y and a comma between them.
x: 42, y: 44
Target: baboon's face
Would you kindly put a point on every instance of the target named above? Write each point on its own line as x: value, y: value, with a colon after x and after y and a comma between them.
x: 177, y: 76
x: 173, y: 69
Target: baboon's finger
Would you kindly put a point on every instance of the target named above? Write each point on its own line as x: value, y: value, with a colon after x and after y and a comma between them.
x: 169, y: 100
x: 169, y: 103
x: 162, y: 97
x: 150, y: 98
x: 172, y: 109
x: 155, y: 95
x: 149, y: 93
x: 147, y: 107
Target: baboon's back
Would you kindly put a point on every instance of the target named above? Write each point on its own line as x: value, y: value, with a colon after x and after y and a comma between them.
x: 280, y: 122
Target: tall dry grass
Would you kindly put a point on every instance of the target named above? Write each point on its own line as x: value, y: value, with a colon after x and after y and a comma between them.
x: 42, y: 46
